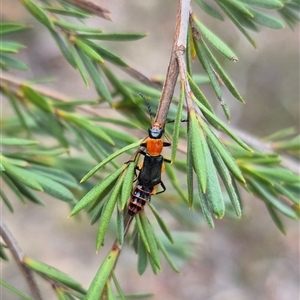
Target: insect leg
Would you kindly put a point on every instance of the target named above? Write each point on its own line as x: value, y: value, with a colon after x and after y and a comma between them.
x: 163, y: 187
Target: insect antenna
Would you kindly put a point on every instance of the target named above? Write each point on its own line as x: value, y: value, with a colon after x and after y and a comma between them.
x: 148, y: 107
x: 172, y: 121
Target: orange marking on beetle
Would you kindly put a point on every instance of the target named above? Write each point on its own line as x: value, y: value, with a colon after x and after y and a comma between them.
x: 154, y: 147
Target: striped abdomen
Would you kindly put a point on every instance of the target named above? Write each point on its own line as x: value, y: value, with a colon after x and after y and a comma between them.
x: 140, y: 195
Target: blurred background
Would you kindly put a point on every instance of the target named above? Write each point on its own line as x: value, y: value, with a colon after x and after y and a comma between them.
x: 242, y: 259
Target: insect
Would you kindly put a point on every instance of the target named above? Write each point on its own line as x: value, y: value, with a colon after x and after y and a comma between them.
x: 150, y: 171
x: 140, y: 196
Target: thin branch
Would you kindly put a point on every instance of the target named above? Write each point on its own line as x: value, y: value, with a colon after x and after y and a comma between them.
x: 287, y: 162
x: 16, y: 83
x: 92, y: 7
x: 179, y: 43
x: 142, y: 78
x: 19, y: 256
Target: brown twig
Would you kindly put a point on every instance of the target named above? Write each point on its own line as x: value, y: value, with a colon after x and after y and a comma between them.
x: 19, y: 256
x: 142, y: 78
x: 179, y: 44
x: 92, y: 7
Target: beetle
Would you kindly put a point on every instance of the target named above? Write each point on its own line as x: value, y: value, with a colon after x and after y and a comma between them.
x: 150, y: 170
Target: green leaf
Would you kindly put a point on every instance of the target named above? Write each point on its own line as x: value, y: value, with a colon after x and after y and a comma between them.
x: 96, y: 77
x: 78, y: 64
x: 279, y: 173
x: 127, y: 186
x: 209, y: 10
x: 166, y: 255
x: 11, y: 47
x: 28, y: 193
x: 65, y: 50
x: 282, y: 133
x: 237, y: 6
x: 97, y: 286
x: 118, y: 37
x: 127, y: 137
x: 84, y: 123
x: 18, y: 142
x: 142, y: 235
x: 190, y: 54
x: 120, y: 227
x: 22, y: 175
x: 198, y: 150
x: 96, y: 191
x: 140, y: 296
x: 53, y: 274
x: 6, y: 28
x: 15, y: 161
x: 208, y: 69
x: 11, y: 184
x: 265, y: 192
x: 174, y: 181
x: 38, y: 13
x: 217, y: 67
x: 275, y: 218
x: 60, y: 293
x: 271, y: 4
x: 237, y: 23
x: 213, y: 193
x: 107, y: 213
x: 2, y: 253
x: 121, y: 88
x: 89, y: 51
x: 161, y: 223
x: 107, y: 54
x: 266, y: 20
x: 215, y: 41
x: 15, y: 291
x: 11, y: 63
x: 98, y: 206
x: 201, y: 98
x: 118, y: 287
x: 281, y: 189
x: 77, y: 27
x: 224, y: 153
x: 6, y: 201
x: 37, y: 99
x: 85, y: 140
x: 66, y: 12
x: 57, y: 175
x: 109, y: 292
x: 199, y: 95
x: 15, y: 104
x: 53, y: 188
x: 109, y: 158
x: 142, y: 257
x: 226, y: 178
x: 222, y: 125
x: 150, y: 237
x: 205, y: 208
x: 189, y: 171
x: 177, y: 123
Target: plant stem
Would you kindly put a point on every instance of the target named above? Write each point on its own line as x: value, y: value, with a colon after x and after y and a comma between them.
x: 19, y: 255
x: 179, y: 43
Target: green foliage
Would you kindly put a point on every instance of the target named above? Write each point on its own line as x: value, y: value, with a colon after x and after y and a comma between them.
x: 29, y: 167
x: 14, y: 290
